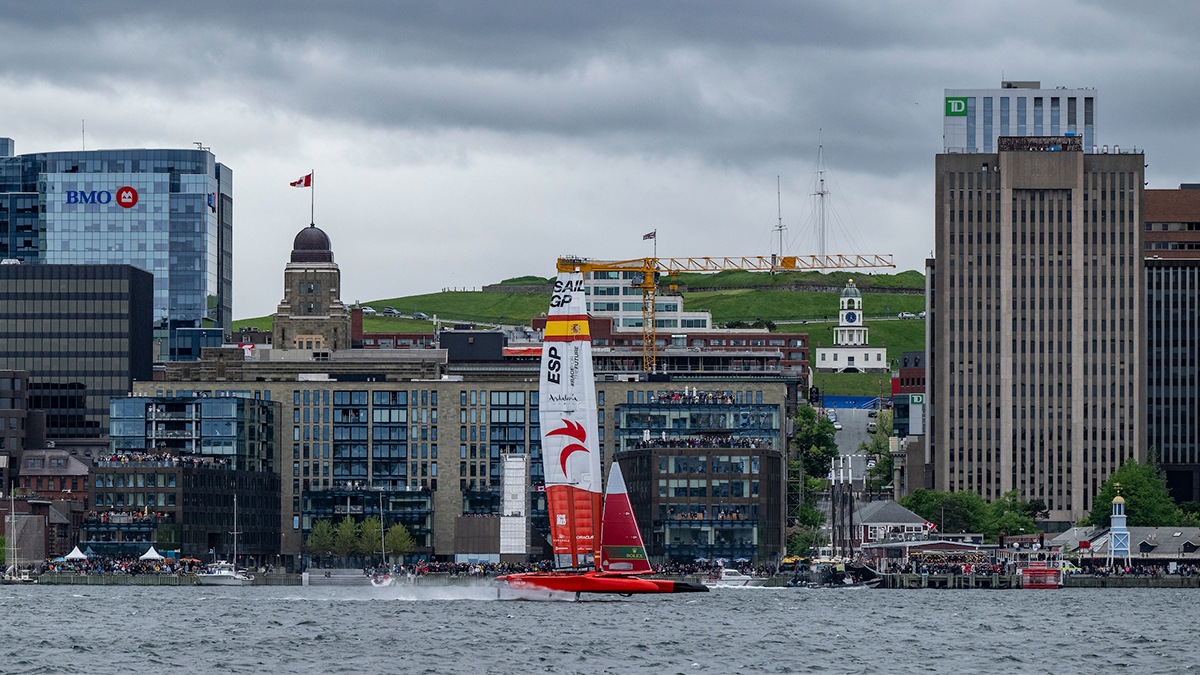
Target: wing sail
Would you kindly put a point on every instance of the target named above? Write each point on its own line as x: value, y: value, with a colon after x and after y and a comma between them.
x: 567, y: 407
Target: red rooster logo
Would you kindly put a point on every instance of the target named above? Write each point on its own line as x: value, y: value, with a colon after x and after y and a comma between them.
x: 576, y: 431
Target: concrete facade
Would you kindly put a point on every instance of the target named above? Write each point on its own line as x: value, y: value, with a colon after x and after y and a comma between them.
x: 1036, y: 323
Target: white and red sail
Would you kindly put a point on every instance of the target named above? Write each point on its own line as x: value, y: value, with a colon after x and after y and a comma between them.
x: 567, y: 405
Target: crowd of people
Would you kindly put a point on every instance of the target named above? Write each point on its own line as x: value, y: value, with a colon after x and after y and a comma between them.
x: 160, y: 458
x: 123, y: 517
x: 695, y: 397
x: 130, y: 565
x: 704, y: 442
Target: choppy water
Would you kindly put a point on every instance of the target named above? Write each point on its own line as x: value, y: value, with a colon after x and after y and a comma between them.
x: 156, y: 630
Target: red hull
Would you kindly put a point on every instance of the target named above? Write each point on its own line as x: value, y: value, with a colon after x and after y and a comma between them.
x: 596, y: 582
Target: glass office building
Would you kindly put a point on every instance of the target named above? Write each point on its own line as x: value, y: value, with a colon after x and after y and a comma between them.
x: 169, y: 212
x: 84, y: 334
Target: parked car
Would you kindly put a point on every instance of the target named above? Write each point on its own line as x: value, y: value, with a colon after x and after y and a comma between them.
x: 367, y: 309
x: 872, y: 427
x: 906, y: 315
x: 872, y: 413
x: 421, y: 316
x: 388, y: 311
x: 921, y: 314
x: 837, y: 426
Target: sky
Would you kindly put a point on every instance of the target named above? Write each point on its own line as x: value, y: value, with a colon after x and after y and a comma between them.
x: 459, y: 144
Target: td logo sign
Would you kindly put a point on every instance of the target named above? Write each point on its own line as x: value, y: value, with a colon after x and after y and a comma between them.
x: 956, y: 107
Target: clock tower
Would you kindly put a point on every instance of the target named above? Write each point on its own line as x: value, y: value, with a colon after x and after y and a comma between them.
x: 850, y: 330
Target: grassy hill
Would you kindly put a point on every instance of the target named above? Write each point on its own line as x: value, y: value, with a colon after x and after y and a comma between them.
x: 749, y: 304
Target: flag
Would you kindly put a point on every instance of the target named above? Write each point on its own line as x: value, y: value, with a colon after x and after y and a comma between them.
x: 212, y: 201
x: 931, y: 526
x: 651, y: 235
x: 303, y: 182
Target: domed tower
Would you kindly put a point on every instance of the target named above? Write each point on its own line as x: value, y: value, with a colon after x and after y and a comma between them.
x: 850, y: 330
x: 311, y: 315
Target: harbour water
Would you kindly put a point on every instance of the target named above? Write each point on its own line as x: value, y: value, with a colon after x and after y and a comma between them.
x: 127, y: 629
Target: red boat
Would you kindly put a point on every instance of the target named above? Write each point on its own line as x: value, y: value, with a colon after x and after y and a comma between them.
x: 571, y: 461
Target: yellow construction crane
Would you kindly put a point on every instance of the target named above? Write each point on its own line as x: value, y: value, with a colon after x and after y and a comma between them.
x: 647, y: 270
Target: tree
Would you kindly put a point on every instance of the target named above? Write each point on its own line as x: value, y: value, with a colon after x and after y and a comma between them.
x: 815, y: 441
x: 320, y: 540
x: 805, y: 543
x: 962, y: 511
x: 370, y: 536
x: 1147, y: 502
x: 1010, y: 516
x: 398, y: 541
x: 345, y: 542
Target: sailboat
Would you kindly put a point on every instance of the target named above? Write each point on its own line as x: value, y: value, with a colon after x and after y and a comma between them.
x: 595, y: 540
x: 223, y: 573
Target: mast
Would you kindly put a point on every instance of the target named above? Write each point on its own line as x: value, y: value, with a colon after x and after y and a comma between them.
x: 779, y: 209
x: 820, y: 194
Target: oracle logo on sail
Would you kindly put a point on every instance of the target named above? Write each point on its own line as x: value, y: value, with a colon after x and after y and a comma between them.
x: 127, y: 197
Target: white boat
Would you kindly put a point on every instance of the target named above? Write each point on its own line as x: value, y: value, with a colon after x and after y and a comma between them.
x: 731, y: 577
x: 383, y: 580
x: 223, y: 573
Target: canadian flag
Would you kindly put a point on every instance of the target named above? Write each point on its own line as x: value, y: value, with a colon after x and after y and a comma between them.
x: 303, y: 182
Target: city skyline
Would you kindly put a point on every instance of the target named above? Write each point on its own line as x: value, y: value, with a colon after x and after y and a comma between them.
x: 459, y: 143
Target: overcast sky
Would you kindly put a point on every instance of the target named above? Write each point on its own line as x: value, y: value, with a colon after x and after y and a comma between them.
x: 458, y: 144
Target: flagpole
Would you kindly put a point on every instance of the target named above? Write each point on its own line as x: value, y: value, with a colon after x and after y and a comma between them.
x: 312, y: 197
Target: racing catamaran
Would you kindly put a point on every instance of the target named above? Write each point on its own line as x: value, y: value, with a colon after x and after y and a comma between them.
x: 596, y: 543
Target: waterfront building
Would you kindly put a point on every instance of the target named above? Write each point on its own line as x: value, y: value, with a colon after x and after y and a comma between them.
x: 851, y: 352
x: 175, y: 467
x: 84, y: 335
x: 1036, y: 332
x: 169, y: 212
x: 704, y: 471
x: 975, y: 119
x: 1172, y: 259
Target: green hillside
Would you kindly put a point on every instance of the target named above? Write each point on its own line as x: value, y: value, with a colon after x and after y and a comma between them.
x: 749, y: 304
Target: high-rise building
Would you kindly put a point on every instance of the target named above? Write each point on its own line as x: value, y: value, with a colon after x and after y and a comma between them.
x: 1172, y: 394
x: 1036, y: 329
x: 975, y: 118
x: 83, y: 332
x: 169, y: 212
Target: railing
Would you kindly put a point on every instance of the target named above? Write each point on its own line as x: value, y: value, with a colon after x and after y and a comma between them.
x: 168, y: 415
x: 173, y: 433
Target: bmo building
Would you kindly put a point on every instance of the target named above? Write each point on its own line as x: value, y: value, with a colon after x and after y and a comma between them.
x: 169, y: 212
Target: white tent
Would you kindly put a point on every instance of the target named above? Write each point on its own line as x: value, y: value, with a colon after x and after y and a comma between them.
x: 75, y: 554
x: 151, y: 555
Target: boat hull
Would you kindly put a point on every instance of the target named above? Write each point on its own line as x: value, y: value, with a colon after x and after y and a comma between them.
x: 221, y: 580
x: 596, y: 582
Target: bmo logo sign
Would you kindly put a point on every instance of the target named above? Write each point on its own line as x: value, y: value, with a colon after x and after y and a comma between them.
x: 126, y: 197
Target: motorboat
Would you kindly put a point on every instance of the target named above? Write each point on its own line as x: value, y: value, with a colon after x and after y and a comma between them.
x: 223, y: 573
x: 727, y: 576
